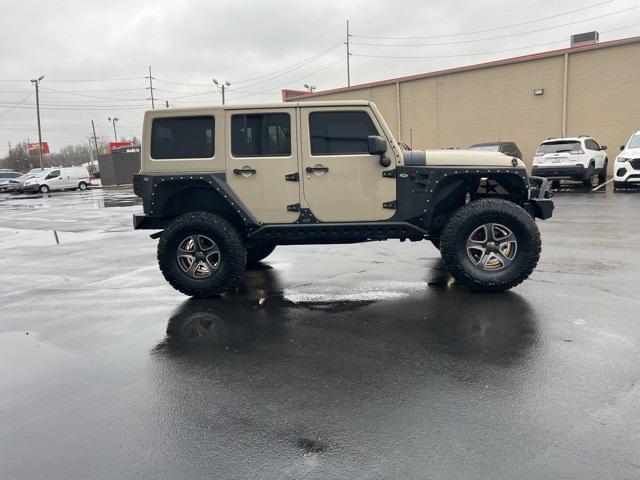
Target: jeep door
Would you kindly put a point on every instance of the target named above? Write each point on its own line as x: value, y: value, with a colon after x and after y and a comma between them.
x: 342, y: 182
x: 261, y: 154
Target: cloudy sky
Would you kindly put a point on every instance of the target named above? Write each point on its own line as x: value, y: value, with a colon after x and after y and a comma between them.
x: 95, y: 55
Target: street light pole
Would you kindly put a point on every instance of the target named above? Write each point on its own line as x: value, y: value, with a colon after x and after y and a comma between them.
x: 36, y: 82
x: 221, y: 86
x: 113, y: 121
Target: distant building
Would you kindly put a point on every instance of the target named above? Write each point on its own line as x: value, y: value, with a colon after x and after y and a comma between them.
x: 588, y: 89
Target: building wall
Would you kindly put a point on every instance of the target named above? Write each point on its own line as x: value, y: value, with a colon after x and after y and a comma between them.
x: 604, y: 95
x: 497, y: 102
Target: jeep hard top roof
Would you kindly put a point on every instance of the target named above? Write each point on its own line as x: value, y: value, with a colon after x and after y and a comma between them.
x: 265, y: 106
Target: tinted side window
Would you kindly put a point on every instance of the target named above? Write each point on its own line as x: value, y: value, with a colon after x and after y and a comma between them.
x: 54, y: 174
x: 261, y: 135
x: 183, y: 137
x: 340, y: 133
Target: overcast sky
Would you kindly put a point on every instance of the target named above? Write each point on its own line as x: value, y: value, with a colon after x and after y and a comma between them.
x: 95, y: 55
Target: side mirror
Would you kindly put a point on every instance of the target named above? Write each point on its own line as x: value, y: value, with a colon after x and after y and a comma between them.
x: 377, y: 145
x: 621, y: 148
x: 603, y: 147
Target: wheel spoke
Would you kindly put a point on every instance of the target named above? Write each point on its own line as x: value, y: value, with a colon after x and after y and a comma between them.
x: 503, y: 258
x: 491, y: 247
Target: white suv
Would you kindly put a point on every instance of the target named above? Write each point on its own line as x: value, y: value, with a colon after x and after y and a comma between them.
x: 626, y: 170
x: 572, y: 158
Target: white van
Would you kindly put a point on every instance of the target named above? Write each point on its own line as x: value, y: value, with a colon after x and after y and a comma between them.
x: 60, y: 178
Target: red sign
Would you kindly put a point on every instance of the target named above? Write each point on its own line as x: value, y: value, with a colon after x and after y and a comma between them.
x: 34, y: 148
x: 113, y: 145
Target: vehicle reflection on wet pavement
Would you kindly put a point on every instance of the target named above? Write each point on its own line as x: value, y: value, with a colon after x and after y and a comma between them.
x: 354, y: 361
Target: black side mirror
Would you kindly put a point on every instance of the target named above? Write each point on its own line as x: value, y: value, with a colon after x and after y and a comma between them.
x: 621, y: 148
x: 603, y: 147
x: 377, y: 145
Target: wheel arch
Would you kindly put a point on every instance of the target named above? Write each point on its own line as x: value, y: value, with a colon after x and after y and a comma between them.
x: 455, y: 190
x: 177, y: 197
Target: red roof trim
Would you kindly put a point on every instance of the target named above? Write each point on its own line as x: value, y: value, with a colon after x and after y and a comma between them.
x: 492, y: 63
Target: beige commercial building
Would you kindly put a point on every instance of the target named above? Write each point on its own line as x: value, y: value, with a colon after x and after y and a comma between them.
x: 587, y: 90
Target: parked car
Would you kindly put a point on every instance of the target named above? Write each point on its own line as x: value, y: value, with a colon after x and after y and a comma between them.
x: 60, y: 178
x: 16, y: 185
x: 626, y: 169
x: 6, y: 176
x: 508, y: 148
x: 573, y: 158
x: 223, y: 186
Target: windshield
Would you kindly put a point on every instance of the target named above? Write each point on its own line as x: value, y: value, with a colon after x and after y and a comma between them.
x: 557, y: 147
x: 487, y: 148
x: 634, y: 142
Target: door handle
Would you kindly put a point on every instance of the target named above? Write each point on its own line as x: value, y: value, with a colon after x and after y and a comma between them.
x: 244, y: 170
x: 317, y: 168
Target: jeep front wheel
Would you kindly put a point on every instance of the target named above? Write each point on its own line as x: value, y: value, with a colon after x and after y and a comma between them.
x: 490, y: 245
x: 201, y: 254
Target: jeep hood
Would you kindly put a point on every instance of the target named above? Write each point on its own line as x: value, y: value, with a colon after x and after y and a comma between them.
x: 470, y: 158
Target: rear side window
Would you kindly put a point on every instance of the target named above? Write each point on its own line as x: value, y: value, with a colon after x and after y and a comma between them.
x: 559, y: 147
x: 183, y: 137
x: 340, y: 133
x: 591, y: 145
x: 261, y: 135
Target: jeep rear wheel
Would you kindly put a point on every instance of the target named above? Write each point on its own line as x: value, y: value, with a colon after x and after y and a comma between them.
x: 490, y: 245
x: 259, y: 251
x: 201, y: 254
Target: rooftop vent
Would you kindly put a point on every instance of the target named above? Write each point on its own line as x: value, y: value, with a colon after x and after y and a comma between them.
x: 588, y: 38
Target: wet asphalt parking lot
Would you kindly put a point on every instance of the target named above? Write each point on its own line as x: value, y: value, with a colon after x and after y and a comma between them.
x: 355, y: 361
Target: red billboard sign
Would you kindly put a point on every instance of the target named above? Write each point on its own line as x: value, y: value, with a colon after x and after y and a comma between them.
x: 114, y: 145
x: 34, y: 148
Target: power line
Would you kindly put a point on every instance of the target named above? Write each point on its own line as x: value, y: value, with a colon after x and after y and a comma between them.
x: 481, y: 53
x: 268, y: 76
x: 473, y: 32
x: 497, y: 37
x: 17, y: 104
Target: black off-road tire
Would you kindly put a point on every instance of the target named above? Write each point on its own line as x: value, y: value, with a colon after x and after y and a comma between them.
x: 259, y: 251
x: 223, y: 233
x: 466, y: 220
x: 602, y: 175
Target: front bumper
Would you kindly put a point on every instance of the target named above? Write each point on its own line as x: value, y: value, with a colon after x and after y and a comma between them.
x: 31, y: 188
x: 627, y: 172
x: 560, y: 172
x: 540, y: 204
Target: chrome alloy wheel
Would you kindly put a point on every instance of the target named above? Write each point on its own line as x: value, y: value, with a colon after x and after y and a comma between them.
x: 198, y: 256
x: 492, y: 247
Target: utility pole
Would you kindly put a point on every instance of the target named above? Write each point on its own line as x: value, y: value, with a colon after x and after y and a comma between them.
x: 113, y: 121
x: 348, y: 55
x: 150, y: 88
x: 36, y: 82
x: 221, y: 85
x: 95, y: 143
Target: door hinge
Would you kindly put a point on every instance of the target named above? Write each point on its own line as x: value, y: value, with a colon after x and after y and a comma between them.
x: 391, y: 205
x: 389, y: 173
x: 292, y: 177
x: 294, y: 207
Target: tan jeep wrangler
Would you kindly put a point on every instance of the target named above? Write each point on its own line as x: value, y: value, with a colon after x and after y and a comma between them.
x: 225, y: 185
